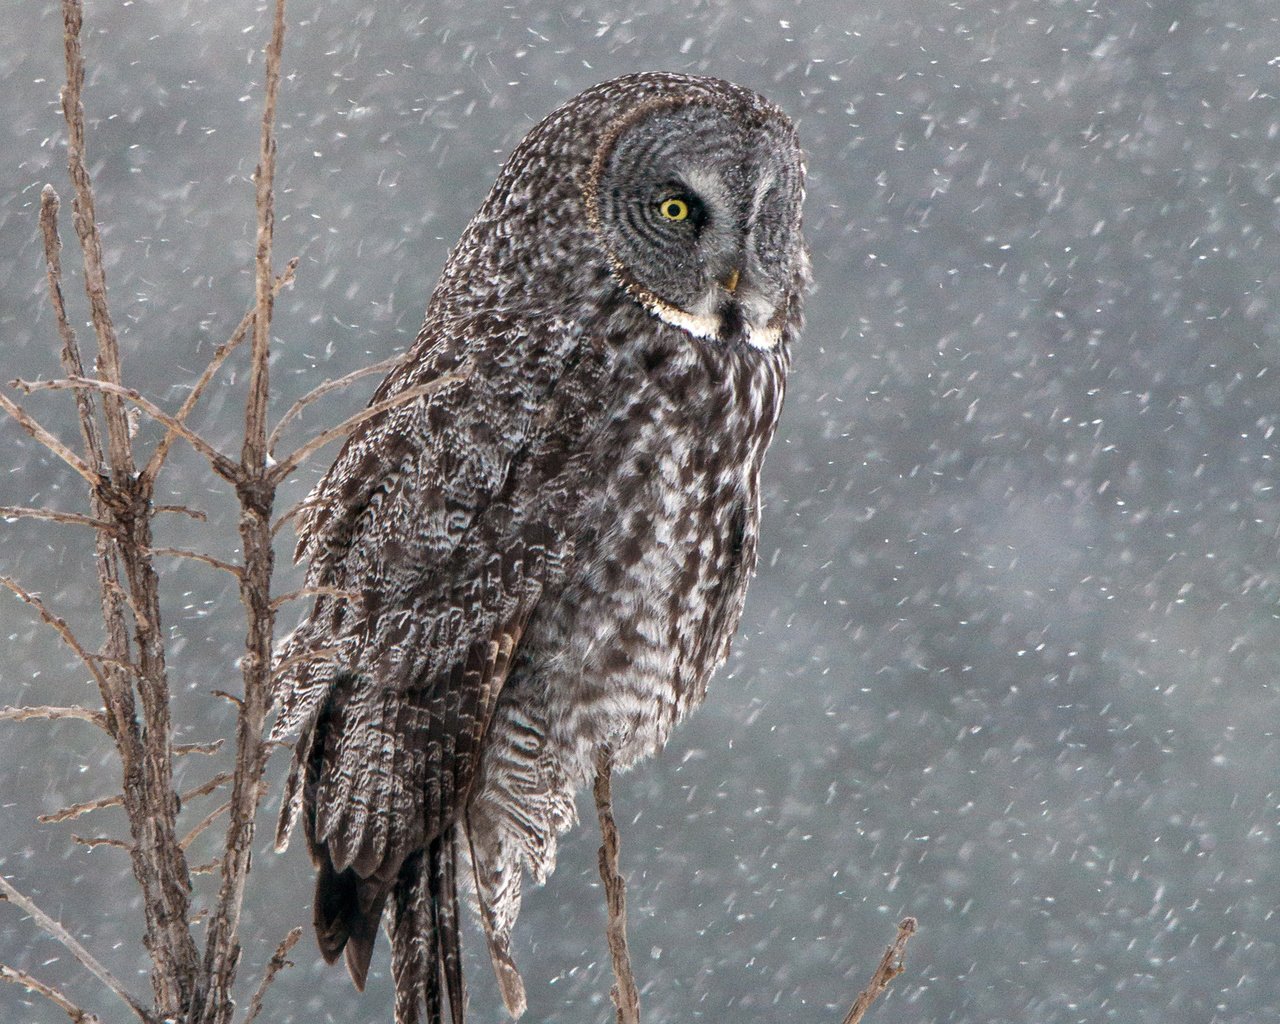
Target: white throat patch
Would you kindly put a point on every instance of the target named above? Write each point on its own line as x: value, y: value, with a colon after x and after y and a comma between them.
x: 707, y: 325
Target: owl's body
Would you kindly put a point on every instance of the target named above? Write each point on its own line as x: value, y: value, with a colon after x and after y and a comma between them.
x: 551, y: 550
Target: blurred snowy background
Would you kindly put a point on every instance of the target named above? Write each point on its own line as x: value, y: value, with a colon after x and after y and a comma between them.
x: 1010, y: 661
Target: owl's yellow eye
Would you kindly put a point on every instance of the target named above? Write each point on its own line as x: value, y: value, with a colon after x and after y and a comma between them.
x: 674, y: 209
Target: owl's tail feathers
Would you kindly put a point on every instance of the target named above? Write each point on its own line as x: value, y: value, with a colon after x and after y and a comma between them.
x: 426, y: 947
x: 347, y: 912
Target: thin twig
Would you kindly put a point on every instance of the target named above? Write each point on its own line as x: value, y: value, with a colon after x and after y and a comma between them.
x: 48, y: 440
x: 102, y: 841
x: 85, y: 220
x: 282, y: 469
x: 53, y: 516
x: 12, y: 714
x: 70, y: 355
x: 293, y: 513
x: 122, y: 594
x: 77, y: 1015
x: 220, y: 354
x: 194, y: 513
x: 222, y: 465
x: 275, y: 965
x: 197, y: 556
x: 204, y: 823
x: 78, y: 951
x: 75, y: 810
x: 889, y: 968
x: 305, y: 592
x: 211, y: 747
x: 281, y: 668
x: 626, y: 997
x: 328, y: 387
x: 59, y: 624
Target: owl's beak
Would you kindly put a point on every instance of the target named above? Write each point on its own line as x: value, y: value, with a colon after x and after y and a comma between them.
x: 731, y: 282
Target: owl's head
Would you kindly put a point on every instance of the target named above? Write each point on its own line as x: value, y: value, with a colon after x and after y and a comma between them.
x: 695, y: 194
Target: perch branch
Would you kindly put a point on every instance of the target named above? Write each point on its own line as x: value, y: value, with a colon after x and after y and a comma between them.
x: 78, y: 951
x: 77, y: 1015
x: 889, y: 968
x: 625, y: 995
x: 275, y: 965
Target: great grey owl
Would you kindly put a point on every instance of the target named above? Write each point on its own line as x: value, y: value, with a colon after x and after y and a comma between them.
x: 547, y: 556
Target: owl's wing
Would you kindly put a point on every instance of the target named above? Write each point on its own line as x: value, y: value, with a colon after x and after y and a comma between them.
x: 445, y: 519
x: 409, y: 484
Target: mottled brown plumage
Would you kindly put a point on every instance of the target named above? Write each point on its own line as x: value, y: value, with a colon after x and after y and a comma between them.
x: 551, y: 552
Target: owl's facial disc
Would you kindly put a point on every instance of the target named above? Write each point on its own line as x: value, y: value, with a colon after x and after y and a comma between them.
x: 698, y: 209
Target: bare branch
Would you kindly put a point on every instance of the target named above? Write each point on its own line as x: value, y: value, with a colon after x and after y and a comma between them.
x: 321, y: 654
x: 328, y: 387
x: 625, y: 995
x: 102, y: 841
x: 197, y: 556
x: 222, y: 465
x: 275, y: 965
x: 305, y: 592
x: 144, y: 746
x: 70, y: 354
x: 194, y: 513
x: 254, y: 454
x: 289, y: 516
x: 219, y: 357
x: 78, y: 951
x: 212, y: 747
x: 77, y: 1015
x: 86, y: 225
x: 204, y: 823
x: 205, y: 787
x: 60, y: 625
x: 282, y: 470
x: 48, y: 440
x: 53, y: 516
x: 889, y: 968
x: 75, y: 810
x: 12, y: 714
